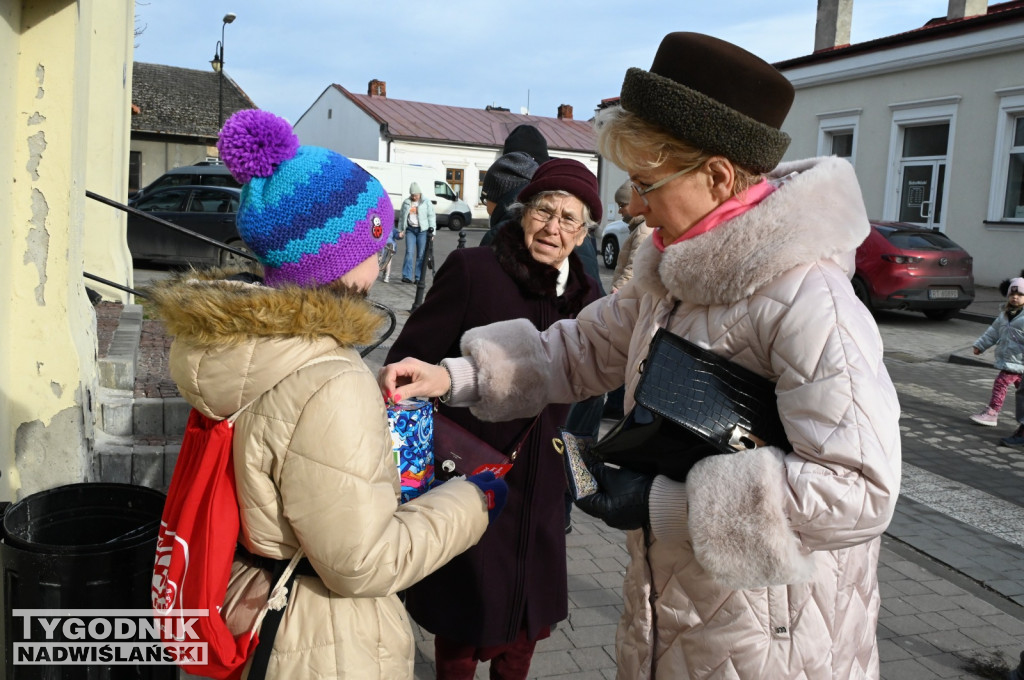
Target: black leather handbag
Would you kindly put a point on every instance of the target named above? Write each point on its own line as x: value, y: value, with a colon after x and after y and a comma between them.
x: 690, y: 404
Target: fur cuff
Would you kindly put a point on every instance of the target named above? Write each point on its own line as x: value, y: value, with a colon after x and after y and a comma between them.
x: 738, y: 524
x: 512, y: 370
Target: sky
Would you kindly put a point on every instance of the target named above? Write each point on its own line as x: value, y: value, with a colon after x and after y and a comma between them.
x: 529, y: 54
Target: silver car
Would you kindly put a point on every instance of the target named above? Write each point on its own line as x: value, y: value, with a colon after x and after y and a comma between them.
x: 611, y: 237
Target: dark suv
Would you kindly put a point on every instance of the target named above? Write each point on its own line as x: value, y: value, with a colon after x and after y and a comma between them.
x: 204, y: 174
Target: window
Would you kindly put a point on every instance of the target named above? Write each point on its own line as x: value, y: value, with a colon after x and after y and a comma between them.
x: 444, y: 191
x: 454, y: 177
x: 171, y: 200
x: 1006, y: 200
x: 842, y: 143
x: 134, y: 170
x: 837, y: 133
x: 926, y: 140
x: 480, y: 185
x: 210, y: 201
x: 1013, y: 206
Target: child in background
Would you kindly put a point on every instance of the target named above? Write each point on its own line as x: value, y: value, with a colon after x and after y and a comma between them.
x: 1007, y: 334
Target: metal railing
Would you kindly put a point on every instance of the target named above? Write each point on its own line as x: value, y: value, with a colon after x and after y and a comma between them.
x: 217, y: 244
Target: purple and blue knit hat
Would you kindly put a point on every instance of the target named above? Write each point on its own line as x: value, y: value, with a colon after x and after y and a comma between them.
x: 309, y: 214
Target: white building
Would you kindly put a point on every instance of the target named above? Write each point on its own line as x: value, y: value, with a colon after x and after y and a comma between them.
x: 932, y: 120
x: 460, y: 143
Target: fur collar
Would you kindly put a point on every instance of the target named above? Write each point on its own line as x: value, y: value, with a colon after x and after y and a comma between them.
x: 817, y: 213
x: 209, y: 311
x: 537, y: 279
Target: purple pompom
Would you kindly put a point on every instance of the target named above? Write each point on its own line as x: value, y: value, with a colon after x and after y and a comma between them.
x: 253, y: 142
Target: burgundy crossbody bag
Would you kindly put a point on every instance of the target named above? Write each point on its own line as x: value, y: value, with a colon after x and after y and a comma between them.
x: 457, y: 451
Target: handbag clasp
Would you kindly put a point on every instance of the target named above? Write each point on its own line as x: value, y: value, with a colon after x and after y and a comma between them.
x: 742, y: 439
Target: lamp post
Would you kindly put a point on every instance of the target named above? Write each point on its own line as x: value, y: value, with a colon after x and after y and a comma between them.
x: 218, y: 65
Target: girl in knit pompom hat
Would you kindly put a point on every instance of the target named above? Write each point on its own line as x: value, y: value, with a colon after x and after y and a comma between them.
x: 312, y: 453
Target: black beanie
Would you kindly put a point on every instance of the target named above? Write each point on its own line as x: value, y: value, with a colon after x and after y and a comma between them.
x: 508, y: 175
x: 528, y: 139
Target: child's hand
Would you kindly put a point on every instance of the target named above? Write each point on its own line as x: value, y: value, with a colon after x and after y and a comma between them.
x: 976, y: 351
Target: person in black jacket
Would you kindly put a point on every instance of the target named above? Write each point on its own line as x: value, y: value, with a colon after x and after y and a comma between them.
x: 498, y: 599
x: 502, y: 183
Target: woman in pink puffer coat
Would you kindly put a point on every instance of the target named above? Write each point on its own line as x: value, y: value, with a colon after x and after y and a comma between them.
x: 762, y: 564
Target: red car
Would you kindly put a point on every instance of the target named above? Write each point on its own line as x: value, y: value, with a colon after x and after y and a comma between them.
x: 904, y: 266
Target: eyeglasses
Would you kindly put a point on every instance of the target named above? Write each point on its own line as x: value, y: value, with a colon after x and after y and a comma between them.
x: 642, y: 193
x: 566, y: 223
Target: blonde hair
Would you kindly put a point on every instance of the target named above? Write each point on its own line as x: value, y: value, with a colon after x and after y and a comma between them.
x: 629, y: 141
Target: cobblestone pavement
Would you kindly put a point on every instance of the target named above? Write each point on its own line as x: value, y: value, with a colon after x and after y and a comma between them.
x: 952, y: 561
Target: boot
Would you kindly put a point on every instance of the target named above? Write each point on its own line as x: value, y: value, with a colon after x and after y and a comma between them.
x: 1018, y: 672
x: 1015, y: 439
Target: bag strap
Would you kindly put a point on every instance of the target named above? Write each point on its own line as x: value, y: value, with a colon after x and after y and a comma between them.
x: 522, y: 440
x: 269, y: 619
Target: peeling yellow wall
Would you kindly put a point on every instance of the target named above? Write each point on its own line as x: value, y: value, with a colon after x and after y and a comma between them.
x: 52, y: 66
x: 109, y: 128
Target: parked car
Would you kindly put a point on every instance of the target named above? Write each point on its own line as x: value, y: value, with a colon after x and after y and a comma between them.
x: 207, y: 210
x: 612, y: 236
x: 904, y: 266
x: 207, y: 173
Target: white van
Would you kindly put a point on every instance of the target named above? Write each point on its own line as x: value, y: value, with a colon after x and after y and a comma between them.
x: 451, y: 211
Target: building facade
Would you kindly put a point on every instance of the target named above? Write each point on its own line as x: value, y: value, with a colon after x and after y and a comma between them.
x: 66, y: 68
x: 933, y: 122
x: 459, y: 143
x: 177, y: 114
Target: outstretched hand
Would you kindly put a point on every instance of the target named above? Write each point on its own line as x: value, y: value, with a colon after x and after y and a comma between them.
x: 410, y: 378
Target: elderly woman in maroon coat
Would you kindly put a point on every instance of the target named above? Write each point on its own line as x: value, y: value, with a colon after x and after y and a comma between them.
x: 495, y: 601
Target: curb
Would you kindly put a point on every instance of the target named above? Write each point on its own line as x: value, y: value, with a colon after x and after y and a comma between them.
x: 117, y: 369
x: 965, y: 360
x: 986, y: 319
x: 121, y: 414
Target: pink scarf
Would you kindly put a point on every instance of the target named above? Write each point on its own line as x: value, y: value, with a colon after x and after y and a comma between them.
x: 734, y: 207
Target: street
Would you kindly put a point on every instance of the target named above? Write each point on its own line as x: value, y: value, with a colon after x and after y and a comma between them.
x: 952, y: 569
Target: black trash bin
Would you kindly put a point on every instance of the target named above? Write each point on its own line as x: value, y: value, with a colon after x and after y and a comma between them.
x: 78, y: 547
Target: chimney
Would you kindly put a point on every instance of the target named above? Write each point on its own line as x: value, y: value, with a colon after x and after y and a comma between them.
x: 833, y: 25
x: 564, y: 112
x: 965, y: 9
x: 377, y: 88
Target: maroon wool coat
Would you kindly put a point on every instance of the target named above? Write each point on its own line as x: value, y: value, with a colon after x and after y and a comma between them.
x: 515, y: 577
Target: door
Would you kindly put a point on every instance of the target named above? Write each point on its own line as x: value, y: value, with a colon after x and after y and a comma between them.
x: 921, y: 185
x: 922, y: 173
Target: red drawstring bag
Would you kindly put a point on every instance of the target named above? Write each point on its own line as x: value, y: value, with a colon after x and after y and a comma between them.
x: 195, y: 550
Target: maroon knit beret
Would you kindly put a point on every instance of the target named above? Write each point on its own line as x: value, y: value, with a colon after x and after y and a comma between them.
x: 565, y: 174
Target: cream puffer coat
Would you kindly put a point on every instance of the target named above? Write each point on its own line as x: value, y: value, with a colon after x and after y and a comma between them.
x: 314, y: 468
x: 763, y: 564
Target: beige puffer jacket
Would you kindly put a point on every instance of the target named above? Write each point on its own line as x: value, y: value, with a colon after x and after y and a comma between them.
x: 314, y: 468
x: 763, y: 564
x: 638, y: 233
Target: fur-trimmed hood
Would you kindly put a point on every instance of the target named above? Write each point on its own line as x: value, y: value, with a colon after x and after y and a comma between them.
x: 817, y: 213
x: 254, y: 332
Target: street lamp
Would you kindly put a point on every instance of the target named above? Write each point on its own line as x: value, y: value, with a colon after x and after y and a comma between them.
x: 218, y: 65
